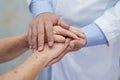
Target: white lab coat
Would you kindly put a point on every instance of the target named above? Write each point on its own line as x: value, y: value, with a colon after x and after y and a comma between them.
x: 96, y: 62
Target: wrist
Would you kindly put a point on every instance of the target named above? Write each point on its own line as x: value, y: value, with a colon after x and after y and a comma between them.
x: 24, y: 39
x: 42, y: 56
x: 37, y: 7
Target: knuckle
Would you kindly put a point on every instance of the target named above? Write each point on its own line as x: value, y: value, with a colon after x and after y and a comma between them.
x: 41, y: 32
x: 49, y: 32
x: 40, y: 43
x: 40, y: 39
x: 34, y: 34
x: 50, y: 38
x: 34, y: 46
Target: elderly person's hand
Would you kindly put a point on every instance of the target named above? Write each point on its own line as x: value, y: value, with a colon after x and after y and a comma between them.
x: 73, y: 45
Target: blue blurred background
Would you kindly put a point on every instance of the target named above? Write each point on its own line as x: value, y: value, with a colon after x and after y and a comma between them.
x: 14, y: 20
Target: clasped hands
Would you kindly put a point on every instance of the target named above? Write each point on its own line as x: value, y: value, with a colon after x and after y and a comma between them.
x: 43, y: 29
x: 65, y: 40
x: 74, y: 37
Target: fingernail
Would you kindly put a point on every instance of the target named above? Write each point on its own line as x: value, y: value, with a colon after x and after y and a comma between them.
x: 30, y: 47
x: 40, y: 48
x: 50, y: 43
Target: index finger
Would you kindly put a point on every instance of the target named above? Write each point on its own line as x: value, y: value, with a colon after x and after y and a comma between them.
x: 49, y: 32
x: 64, y: 32
x: 41, y: 34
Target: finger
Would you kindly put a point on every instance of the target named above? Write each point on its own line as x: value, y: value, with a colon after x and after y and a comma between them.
x: 41, y: 35
x: 56, y: 59
x: 34, y: 37
x: 77, y: 44
x: 74, y: 28
x: 81, y: 35
x: 59, y: 57
x: 30, y: 37
x: 59, y: 38
x: 77, y: 31
x: 63, y: 24
x: 72, y: 44
x: 49, y: 33
x: 60, y: 31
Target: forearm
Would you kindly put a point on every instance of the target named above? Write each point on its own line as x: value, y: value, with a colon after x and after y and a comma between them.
x: 35, y: 63
x: 12, y: 47
x: 29, y: 69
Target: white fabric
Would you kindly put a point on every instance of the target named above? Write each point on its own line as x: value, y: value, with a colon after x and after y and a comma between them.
x: 90, y: 63
x: 28, y: 1
x: 110, y: 23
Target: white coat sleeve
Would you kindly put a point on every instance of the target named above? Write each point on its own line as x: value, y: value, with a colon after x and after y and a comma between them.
x: 28, y: 1
x: 109, y: 23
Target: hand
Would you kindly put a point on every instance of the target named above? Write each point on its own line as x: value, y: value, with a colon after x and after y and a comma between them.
x: 73, y: 32
x: 42, y: 27
x: 56, y: 50
x: 73, y: 45
x: 77, y: 31
x: 57, y: 30
x: 53, y: 52
x: 77, y: 44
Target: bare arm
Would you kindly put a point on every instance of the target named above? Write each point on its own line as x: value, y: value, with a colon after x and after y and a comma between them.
x: 35, y: 63
x: 12, y: 47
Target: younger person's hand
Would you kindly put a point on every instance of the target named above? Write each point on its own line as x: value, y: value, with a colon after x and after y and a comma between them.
x: 42, y: 27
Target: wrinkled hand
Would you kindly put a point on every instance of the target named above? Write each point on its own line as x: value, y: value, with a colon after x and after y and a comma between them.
x: 56, y: 50
x: 73, y: 45
x: 77, y: 44
x: 42, y: 27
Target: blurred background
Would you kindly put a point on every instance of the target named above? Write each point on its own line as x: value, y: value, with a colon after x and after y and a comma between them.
x: 14, y: 20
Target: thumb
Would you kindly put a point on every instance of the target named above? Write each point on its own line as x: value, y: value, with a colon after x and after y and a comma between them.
x: 58, y: 58
x: 75, y: 45
x: 63, y: 24
x: 72, y: 44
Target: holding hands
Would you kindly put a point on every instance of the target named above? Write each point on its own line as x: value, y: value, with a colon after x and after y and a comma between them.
x: 41, y: 28
x: 49, y: 28
x: 74, y: 44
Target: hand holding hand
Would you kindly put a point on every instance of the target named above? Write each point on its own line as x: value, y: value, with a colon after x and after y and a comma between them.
x: 42, y: 27
x: 73, y: 45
